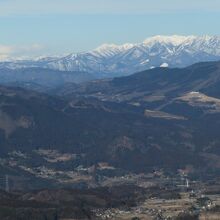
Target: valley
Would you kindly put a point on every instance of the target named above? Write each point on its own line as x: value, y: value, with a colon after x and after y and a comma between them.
x: 144, y: 146
x: 109, y: 110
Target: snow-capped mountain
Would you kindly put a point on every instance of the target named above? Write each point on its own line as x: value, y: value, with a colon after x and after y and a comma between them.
x: 116, y: 60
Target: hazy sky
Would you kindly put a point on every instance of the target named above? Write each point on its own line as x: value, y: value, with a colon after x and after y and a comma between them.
x: 48, y: 27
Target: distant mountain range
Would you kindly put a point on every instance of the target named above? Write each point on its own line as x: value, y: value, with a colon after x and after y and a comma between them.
x: 41, y: 79
x: 111, y: 60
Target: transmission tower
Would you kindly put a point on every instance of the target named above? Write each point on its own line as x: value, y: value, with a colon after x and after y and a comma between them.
x: 6, y: 183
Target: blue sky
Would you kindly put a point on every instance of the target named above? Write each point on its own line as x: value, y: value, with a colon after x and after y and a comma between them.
x: 32, y: 28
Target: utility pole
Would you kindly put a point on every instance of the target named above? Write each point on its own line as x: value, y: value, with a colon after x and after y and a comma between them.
x: 6, y: 183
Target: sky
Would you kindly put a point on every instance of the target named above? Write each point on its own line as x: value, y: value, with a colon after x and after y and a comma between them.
x: 32, y: 28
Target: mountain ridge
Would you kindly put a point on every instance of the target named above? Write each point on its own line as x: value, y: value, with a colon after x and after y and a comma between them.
x: 109, y: 60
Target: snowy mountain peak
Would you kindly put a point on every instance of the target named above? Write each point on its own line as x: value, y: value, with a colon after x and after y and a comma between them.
x: 105, y: 47
x: 111, y: 49
x: 117, y: 60
x: 174, y: 39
